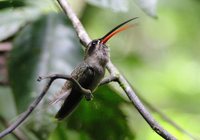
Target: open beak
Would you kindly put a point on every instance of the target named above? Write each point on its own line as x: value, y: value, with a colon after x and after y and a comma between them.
x: 116, y: 30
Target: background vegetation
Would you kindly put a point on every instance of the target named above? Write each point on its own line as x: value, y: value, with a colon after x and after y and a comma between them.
x: 160, y: 57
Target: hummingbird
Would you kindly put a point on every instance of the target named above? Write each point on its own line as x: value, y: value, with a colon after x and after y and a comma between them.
x: 88, y: 73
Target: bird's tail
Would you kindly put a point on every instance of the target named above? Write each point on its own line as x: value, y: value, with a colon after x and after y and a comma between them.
x: 70, y: 103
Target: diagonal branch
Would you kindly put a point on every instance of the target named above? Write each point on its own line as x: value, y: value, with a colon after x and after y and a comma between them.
x: 83, y: 36
x: 108, y: 80
x: 152, y: 108
x: 66, y: 77
x: 167, y: 119
x: 138, y: 104
x: 34, y: 104
x: 28, y: 112
x: 18, y: 134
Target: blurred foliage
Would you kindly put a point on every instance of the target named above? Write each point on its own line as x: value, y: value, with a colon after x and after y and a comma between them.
x: 160, y: 58
x: 35, y: 53
x: 11, y: 4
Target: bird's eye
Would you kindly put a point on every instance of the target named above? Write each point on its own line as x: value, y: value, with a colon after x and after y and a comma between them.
x: 93, y: 43
x: 92, y: 46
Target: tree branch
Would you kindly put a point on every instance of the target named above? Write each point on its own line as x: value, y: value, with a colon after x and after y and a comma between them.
x: 138, y: 104
x: 82, y: 34
x: 152, y: 108
x: 87, y: 92
x: 17, y: 134
x: 34, y: 104
x: 167, y: 119
x: 84, y: 38
x: 108, y: 80
x: 28, y: 112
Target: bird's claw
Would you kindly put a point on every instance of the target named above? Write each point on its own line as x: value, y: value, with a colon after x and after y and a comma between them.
x: 89, y: 96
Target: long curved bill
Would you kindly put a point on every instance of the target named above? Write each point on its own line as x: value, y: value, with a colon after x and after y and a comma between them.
x: 116, y: 30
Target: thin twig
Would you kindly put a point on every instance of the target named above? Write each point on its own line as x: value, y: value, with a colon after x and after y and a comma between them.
x: 17, y: 133
x: 166, y: 118
x: 34, y: 104
x: 108, y: 80
x: 66, y: 77
x: 28, y: 112
x: 83, y: 36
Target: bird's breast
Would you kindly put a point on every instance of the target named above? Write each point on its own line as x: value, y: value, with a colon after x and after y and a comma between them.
x: 92, y: 78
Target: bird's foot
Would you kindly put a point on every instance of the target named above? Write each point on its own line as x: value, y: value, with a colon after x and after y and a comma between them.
x: 89, y: 96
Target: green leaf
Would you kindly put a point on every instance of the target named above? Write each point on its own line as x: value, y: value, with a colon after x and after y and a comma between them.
x: 12, y: 4
x: 10, y: 23
x: 47, y: 46
x: 13, y: 19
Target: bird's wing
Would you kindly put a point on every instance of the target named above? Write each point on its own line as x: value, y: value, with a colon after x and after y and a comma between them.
x: 83, y: 75
x: 79, y: 73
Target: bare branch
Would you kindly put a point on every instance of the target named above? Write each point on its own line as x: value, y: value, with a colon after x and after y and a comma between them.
x: 19, y: 135
x: 166, y: 118
x: 108, y: 80
x: 151, y: 107
x: 28, y: 112
x: 111, y: 68
x: 34, y: 104
x: 138, y: 104
x: 66, y: 77
x: 82, y: 34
